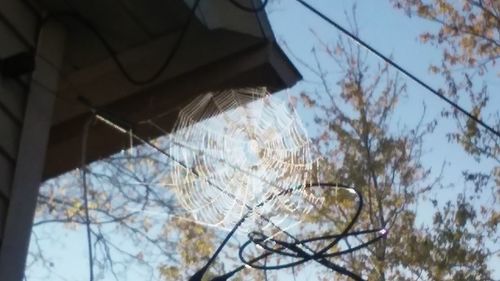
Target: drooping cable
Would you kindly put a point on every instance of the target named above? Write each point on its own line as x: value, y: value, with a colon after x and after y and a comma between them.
x: 257, y: 9
x: 391, y: 62
x: 398, y: 67
x: 83, y: 171
x: 297, y: 252
x: 292, y: 249
x: 295, y: 246
x: 303, y: 256
x: 110, y: 50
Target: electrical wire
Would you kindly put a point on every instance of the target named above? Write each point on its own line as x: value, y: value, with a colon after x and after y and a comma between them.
x: 83, y: 170
x: 295, y: 246
x: 110, y: 50
x: 297, y: 252
x: 168, y: 59
x: 286, y: 245
x: 398, y: 67
x: 257, y: 9
x: 391, y: 62
x: 260, y: 239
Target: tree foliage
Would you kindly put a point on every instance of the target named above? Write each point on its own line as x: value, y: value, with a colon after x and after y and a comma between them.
x: 132, y: 215
x: 361, y: 146
x: 468, y: 33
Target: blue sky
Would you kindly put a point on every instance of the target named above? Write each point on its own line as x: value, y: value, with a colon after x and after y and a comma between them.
x: 389, y: 31
x: 394, y: 34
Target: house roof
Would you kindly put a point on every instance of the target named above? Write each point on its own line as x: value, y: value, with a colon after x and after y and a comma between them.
x: 224, y: 47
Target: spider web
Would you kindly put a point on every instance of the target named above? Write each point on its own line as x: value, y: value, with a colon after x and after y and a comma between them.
x: 239, y: 147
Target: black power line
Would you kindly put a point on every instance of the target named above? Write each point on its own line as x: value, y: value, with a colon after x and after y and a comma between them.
x: 111, y: 51
x: 398, y: 67
x: 381, y: 56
